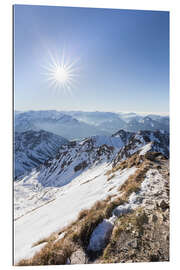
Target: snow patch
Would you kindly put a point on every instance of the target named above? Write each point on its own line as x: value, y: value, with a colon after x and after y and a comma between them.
x: 145, y: 149
x: 100, y: 235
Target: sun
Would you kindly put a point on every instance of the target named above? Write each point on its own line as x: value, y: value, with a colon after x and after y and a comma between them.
x: 61, y: 72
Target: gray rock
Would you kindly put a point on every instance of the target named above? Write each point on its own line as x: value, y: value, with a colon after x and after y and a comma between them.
x: 78, y: 257
x: 153, y: 218
x: 164, y: 205
x: 133, y: 243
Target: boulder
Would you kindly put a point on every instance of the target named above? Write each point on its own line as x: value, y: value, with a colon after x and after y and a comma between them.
x: 78, y: 257
x: 164, y: 205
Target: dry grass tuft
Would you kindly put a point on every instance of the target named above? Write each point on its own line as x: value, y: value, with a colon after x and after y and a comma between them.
x: 83, y: 214
x: 134, y: 181
x: 52, y: 254
x: 51, y: 238
x: 134, y: 160
x: 111, y: 205
x: 111, y: 176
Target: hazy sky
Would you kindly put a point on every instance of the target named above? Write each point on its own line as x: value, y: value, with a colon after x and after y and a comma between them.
x: 122, y: 58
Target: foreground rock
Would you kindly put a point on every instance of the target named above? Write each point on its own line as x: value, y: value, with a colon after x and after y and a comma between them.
x: 78, y: 257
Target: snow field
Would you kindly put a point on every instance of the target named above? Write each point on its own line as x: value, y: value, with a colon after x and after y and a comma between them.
x: 69, y: 200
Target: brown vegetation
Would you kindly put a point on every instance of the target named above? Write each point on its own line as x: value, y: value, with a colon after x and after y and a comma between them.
x: 51, y: 238
x: 131, y: 232
x: 110, y: 177
x: 134, y: 160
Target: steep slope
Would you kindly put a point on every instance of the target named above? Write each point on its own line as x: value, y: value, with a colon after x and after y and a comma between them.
x: 75, y: 157
x: 71, y: 161
x: 145, y: 141
x: 32, y: 148
x: 81, y: 174
x: 130, y: 225
x: 62, y: 208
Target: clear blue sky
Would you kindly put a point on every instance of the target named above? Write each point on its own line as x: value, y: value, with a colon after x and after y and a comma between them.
x: 123, y: 58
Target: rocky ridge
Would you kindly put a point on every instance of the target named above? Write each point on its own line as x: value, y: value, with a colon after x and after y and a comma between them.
x: 132, y: 226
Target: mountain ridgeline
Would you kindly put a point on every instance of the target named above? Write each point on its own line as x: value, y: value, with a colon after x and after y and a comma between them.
x: 37, y: 149
x: 81, y: 194
x: 79, y: 125
x: 80, y: 190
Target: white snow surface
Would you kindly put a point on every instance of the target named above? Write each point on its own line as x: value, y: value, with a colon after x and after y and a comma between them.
x: 41, y: 211
x: 147, y: 147
x: 151, y: 187
x: 72, y: 160
x: 100, y: 235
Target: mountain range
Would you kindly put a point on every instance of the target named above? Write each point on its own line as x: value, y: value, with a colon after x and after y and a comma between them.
x: 79, y: 125
x: 72, y: 192
x: 122, y: 173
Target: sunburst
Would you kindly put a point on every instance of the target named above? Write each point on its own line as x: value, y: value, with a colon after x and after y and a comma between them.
x: 61, y: 72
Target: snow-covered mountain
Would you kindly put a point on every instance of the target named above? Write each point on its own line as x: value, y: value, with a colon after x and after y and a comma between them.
x: 82, y: 173
x: 79, y: 125
x: 32, y: 148
x: 130, y: 116
x: 144, y: 141
x: 56, y: 122
x: 121, y: 120
x: 94, y: 118
x: 75, y: 157
x: 147, y: 123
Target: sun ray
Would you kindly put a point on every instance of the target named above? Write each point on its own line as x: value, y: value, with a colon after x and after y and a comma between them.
x: 61, y: 73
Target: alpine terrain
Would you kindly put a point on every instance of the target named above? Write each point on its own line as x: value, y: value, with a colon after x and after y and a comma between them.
x: 100, y: 199
x: 79, y: 124
x: 32, y: 148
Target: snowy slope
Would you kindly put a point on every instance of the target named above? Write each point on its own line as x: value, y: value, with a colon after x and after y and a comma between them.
x: 73, y: 158
x: 32, y: 148
x: 154, y: 141
x: 76, y: 157
x: 39, y: 187
x: 81, y: 193
x: 51, y: 197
